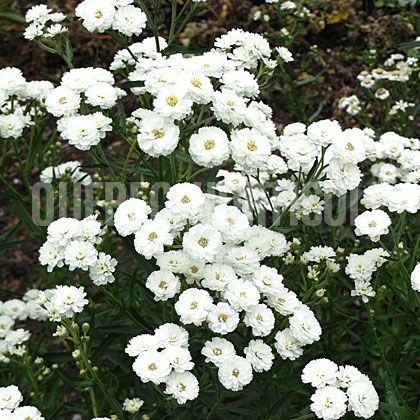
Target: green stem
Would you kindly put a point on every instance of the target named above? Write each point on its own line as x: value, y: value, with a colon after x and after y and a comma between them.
x: 384, y: 361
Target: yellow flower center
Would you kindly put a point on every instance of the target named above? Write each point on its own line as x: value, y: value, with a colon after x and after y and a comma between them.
x: 185, y: 199
x: 152, y: 366
x: 158, y: 133
x: 209, y: 144
x: 196, y: 82
x: 222, y: 318
x: 152, y: 236
x: 172, y: 100
x: 203, y: 242
x: 252, y: 146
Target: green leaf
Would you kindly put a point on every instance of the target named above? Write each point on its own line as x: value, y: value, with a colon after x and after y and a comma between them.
x: 12, y: 16
x: 49, y: 78
x: 121, y: 119
x: 26, y: 219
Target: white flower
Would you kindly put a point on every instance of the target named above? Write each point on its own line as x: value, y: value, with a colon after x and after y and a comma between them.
x: 164, y: 284
x: 376, y: 195
x: 360, y: 267
x: 244, y: 260
x: 6, y: 324
x: 133, y: 406
x: 217, y: 276
x: 97, y: 15
x: 173, y: 102
x: 82, y: 132
x: 287, y: 345
x: 185, y: 199
x: 363, y: 399
x: 152, y: 366
x: 202, y: 242
x: 15, y: 338
x: 348, y: 375
x: 130, y: 216
x: 415, y: 278
x: 199, y: 88
x: 242, y: 294
x: 28, y: 413
x: 231, y: 223
x: 218, y: 350
x: 209, y: 147
x: 171, y: 335
x: 101, y: 271
x: 319, y: 373
x: 364, y: 289
x: 345, y: 176
x: 15, y: 309
x: 222, y: 318
x: 350, y: 146
x: 38, y: 14
x: 62, y: 101
x: 68, y: 300
x: 129, y: 20
x: 329, y: 403
x: 193, y: 306
x: 10, y: 397
x: 101, y: 94
x: 79, y: 79
x: 179, y: 358
x: 12, y: 81
x: 261, y: 319
x: 228, y: 107
x: 373, y: 223
x: 284, y: 301
x: 250, y: 149
x: 241, y: 82
x: 51, y: 255
x: 141, y: 343
x: 235, y: 372
x: 33, y: 31
x: 284, y: 54
x: 304, y: 326
x: 151, y: 238
x: 182, y: 386
x: 268, y: 280
x: 157, y: 136
x: 61, y: 231
x: 259, y: 355
x: 80, y: 254
x: 174, y: 261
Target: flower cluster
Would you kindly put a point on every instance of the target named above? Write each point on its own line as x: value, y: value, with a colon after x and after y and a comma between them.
x: 13, y: 311
x: 221, y: 259
x: 381, y: 83
x: 360, y: 268
x: 338, y: 389
x: 171, y: 365
x: 62, y: 302
x: 20, y: 102
x: 79, y: 89
x: 10, y: 409
x: 67, y: 171
x: 72, y: 242
x: 43, y: 23
x: 119, y: 15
